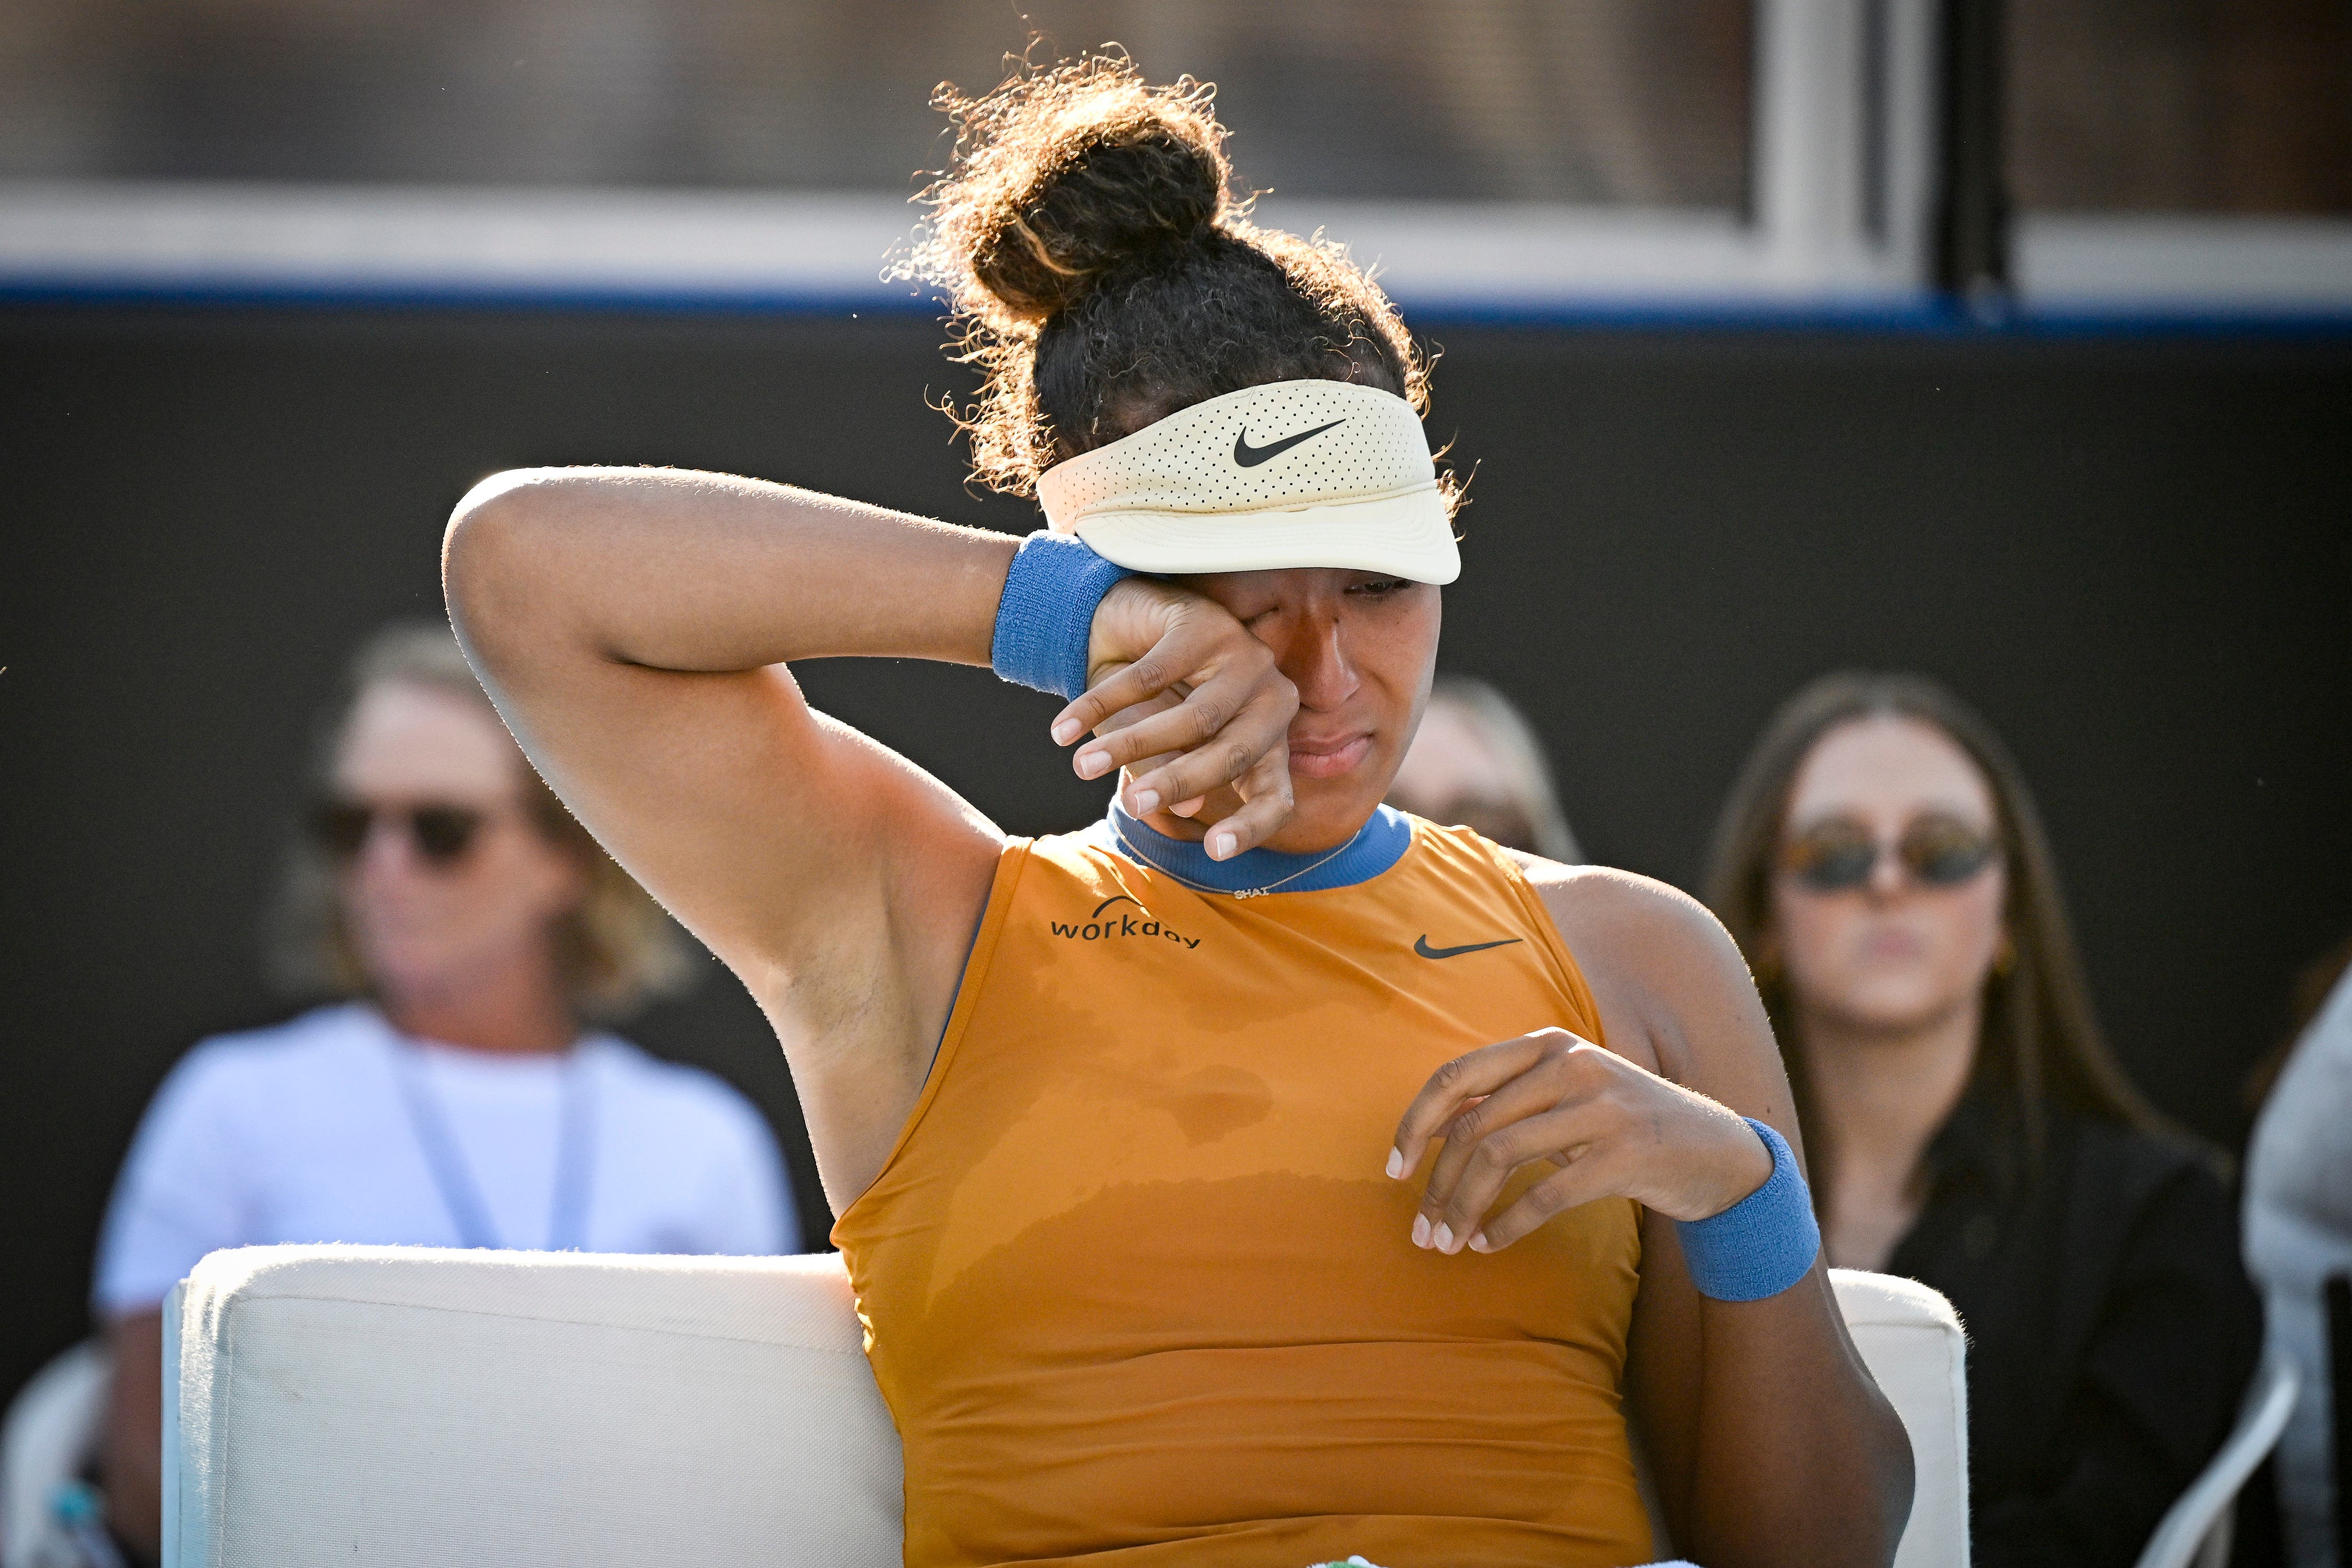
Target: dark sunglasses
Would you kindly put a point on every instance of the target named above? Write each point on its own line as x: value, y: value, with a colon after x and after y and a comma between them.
x: 1838, y: 854
x: 441, y: 833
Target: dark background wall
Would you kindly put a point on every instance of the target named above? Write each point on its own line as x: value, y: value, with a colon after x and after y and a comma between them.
x: 2134, y: 554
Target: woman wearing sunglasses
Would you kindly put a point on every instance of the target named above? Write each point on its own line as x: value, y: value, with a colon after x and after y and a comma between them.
x: 452, y: 1093
x: 1882, y: 865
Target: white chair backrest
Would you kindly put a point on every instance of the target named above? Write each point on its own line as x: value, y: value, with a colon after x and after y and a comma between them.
x: 375, y: 1406
x: 369, y: 1405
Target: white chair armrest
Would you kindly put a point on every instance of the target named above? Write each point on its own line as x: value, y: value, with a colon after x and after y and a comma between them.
x: 2199, y: 1516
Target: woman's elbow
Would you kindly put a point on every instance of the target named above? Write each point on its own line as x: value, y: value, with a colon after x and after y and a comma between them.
x: 487, y: 545
x: 1860, y: 1490
x: 1893, y: 1475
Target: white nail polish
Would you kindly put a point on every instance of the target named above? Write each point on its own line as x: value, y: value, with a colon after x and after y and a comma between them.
x: 1396, y: 1163
x: 1220, y: 845
x: 1065, y: 732
x: 1092, y: 763
x: 1146, y: 800
x: 1478, y: 1242
x: 1421, y: 1230
x: 1443, y: 1237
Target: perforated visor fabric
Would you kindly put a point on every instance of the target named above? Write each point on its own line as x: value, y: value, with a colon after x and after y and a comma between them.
x: 1294, y: 473
x: 1397, y: 534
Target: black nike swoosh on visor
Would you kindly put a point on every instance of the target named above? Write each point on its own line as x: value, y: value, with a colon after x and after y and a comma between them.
x: 1250, y: 457
x: 1422, y: 947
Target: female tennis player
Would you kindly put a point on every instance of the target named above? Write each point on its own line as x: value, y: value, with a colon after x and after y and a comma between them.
x: 1261, y: 1176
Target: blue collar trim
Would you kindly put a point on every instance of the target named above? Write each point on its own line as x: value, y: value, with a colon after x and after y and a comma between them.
x: 1376, y: 846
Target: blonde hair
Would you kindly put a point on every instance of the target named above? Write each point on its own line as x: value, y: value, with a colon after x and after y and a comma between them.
x: 617, y: 949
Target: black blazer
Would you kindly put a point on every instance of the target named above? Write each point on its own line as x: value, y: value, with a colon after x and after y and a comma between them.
x: 2111, y: 1328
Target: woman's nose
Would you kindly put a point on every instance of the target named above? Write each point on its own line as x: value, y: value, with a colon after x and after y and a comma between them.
x: 389, y: 849
x: 1316, y: 663
x: 1888, y: 876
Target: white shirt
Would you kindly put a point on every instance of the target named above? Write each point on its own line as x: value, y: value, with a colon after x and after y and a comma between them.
x: 323, y: 1130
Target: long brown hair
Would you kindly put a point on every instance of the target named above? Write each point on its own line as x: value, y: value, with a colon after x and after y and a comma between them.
x: 616, y: 951
x: 2041, y: 1044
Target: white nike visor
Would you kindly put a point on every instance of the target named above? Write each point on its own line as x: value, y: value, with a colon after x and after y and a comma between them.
x: 1292, y: 473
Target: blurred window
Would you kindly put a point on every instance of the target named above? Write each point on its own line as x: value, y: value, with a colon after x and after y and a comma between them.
x: 2181, y: 106
x: 1627, y: 101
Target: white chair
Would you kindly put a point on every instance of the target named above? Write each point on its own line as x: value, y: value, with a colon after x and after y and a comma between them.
x: 2196, y: 1527
x: 50, y: 1436
x: 397, y: 1405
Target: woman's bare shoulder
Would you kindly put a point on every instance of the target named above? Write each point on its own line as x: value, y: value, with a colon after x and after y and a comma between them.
x: 1674, y: 992
x: 1625, y: 919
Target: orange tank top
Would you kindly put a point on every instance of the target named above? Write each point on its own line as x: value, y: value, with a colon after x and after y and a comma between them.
x: 1136, y: 1289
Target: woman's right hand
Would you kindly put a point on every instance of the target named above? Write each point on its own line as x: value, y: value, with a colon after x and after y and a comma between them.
x: 1189, y: 700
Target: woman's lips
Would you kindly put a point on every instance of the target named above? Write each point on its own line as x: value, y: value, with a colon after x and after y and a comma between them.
x: 1328, y: 759
x: 1893, y: 945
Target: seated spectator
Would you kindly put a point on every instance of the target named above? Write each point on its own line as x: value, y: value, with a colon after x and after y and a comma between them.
x: 1883, y: 866
x: 1476, y: 762
x: 2298, y: 1236
x: 454, y: 1099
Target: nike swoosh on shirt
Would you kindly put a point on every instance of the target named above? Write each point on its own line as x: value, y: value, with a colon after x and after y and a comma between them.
x: 1422, y: 947
x: 1250, y: 457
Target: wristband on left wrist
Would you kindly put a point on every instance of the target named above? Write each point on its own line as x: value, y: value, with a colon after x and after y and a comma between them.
x: 1761, y: 1245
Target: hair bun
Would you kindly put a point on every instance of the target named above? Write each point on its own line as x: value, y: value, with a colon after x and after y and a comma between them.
x: 1066, y: 175
x: 1102, y: 278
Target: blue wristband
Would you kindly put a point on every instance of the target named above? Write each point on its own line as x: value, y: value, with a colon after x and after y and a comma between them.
x: 1761, y: 1245
x: 1049, y: 612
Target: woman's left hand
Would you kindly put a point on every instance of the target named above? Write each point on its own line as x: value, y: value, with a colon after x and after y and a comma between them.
x: 1612, y: 1128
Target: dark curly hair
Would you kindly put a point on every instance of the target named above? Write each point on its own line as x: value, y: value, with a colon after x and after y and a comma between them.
x: 1104, y: 277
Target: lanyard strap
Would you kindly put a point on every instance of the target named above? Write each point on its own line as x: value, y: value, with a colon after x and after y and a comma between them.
x: 567, y: 1220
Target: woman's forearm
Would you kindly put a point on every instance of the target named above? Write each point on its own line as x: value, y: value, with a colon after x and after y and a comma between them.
x: 677, y: 570
x: 1800, y: 1458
